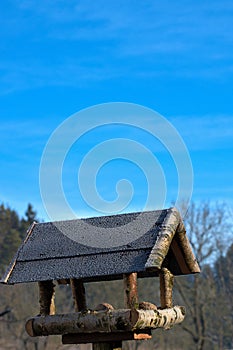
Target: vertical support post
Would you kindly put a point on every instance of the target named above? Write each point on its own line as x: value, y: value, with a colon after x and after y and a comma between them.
x: 131, y: 291
x: 78, y: 292
x: 46, y: 297
x: 166, y: 285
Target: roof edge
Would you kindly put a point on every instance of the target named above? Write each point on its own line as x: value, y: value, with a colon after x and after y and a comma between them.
x: 164, y: 239
x: 184, y: 243
x: 7, y: 274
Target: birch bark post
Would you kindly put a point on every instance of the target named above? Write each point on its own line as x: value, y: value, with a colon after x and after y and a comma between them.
x: 166, y: 286
x: 47, y: 296
x: 130, y: 291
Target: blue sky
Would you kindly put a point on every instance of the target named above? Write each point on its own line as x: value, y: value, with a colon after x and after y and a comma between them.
x: 58, y: 57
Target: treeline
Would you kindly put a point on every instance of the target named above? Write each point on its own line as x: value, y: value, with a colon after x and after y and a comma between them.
x: 206, y: 296
x: 12, y: 231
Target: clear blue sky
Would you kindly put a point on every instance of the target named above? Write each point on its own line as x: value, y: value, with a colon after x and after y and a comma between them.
x: 58, y: 57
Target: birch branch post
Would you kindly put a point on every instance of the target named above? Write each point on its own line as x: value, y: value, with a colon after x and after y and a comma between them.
x: 130, y: 290
x: 47, y: 296
x: 166, y: 285
x: 78, y: 292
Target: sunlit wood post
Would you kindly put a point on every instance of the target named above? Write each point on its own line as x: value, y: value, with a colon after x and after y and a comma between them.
x: 47, y: 296
x: 166, y: 285
x: 130, y: 291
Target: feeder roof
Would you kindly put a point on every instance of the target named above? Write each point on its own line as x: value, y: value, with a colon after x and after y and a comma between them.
x: 104, y: 248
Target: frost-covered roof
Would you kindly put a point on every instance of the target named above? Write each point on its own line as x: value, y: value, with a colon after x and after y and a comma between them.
x: 103, y: 248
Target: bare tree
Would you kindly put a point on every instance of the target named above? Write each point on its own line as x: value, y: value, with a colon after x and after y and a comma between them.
x: 208, y: 229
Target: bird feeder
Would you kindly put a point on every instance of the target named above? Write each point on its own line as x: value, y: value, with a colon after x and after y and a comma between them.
x: 158, y: 247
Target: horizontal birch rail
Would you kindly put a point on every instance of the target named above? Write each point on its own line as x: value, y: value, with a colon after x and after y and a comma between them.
x: 104, y: 321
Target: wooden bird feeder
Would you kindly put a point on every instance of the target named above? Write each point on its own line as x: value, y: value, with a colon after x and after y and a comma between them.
x: 160, y: 249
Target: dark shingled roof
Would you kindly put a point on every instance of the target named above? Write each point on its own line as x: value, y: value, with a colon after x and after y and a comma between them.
x: 49, y: 254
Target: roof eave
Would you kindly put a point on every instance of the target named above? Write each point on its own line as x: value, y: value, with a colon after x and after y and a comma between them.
x: 173, y: 233
x: 6, y: 277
